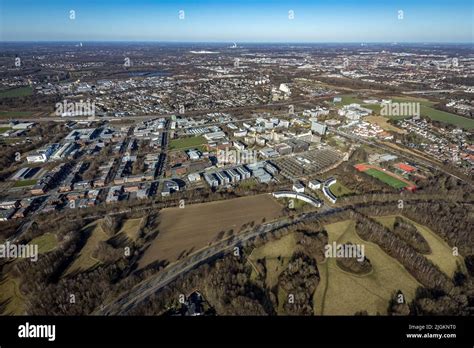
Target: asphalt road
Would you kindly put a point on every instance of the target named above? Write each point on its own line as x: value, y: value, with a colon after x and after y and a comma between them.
x: 128, y: 300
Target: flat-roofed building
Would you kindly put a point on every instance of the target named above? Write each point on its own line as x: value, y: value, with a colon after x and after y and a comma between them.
x: 234, y: 176
x: 318, y: 128
x: 222, y: 177
x: 243, y: 172
x: 298, y: 187
x: 314, y: 184
x: 211, y: 179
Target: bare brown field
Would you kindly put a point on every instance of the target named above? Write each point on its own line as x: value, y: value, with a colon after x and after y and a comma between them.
x: 183, y: 231
x: 131, y: 228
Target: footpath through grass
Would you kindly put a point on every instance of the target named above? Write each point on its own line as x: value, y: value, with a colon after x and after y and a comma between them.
x: 344, y: 293
x: 47, y: 242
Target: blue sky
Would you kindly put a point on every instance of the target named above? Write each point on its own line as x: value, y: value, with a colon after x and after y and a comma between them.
x: 240, y: 21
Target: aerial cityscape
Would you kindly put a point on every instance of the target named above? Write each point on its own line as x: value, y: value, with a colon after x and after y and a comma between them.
x: 218, y: 161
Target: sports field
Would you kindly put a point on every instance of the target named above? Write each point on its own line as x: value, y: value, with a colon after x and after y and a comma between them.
x: 187, y: 143
x: 388, y: 179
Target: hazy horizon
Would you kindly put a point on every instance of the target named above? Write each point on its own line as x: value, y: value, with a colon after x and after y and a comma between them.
x: 239, y: 43
x: 260, y: 21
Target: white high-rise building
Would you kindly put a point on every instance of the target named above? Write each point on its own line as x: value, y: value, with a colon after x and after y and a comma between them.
x: 317, y: 127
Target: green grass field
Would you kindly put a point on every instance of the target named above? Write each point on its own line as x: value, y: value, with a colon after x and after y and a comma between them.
x: 441, y: 253
x: 187, y: 143
x: 4, y: 129
x: 426, y: 109
x: 47, y: 242
x: 23, y: 183
x: 11, y: 141
x: 340, y: 292
x: 16, y: 92
x: 11, y: 297
x: 276, y: 254
x: 349, y: 99
x: 406, y: 99
x: 296, y: 205
x: 344, y: 293
x: 15, y: 114
x: 390, y: 180
x: 446, y: 117
x: 339, y: 190
x: 85, y: 260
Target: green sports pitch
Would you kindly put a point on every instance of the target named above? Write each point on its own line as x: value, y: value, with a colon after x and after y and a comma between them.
x: 187, y: 143
x: 388, y: 179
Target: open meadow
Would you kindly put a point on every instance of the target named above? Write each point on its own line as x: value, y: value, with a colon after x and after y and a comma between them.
x: 183, y: 231
x: 441, y: 253
x: 343, y: 293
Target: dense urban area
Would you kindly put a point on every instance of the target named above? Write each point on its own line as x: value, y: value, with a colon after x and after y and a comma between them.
x: 236, y: 179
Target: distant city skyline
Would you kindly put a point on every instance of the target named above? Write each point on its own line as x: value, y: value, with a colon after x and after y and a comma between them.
x: 271, y: 21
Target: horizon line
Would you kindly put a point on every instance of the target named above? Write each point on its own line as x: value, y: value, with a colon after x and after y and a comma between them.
x: 241, y: 42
